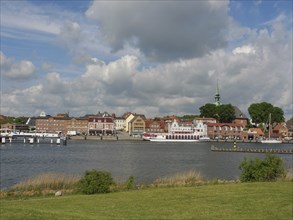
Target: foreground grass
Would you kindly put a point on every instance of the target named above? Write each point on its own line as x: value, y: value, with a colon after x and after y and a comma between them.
x: 225, y: 201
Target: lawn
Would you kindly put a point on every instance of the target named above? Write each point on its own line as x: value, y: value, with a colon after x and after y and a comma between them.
x: 223, y: 201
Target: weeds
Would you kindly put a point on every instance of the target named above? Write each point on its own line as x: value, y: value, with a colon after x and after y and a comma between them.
x: 189, y: 178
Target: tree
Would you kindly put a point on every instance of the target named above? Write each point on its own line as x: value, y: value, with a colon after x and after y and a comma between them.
x: 259, y: 113
x: 223, y: 113
x: 208, y: 111
x: 226, y: 113
x: 277, y: 115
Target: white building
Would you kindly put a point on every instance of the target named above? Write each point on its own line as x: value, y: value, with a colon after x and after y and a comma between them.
x: 119, y: 123
x: 185, y: 128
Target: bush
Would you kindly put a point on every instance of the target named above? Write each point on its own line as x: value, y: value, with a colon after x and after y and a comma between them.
x: 95, y: 182
x: 130, y: 183
x: 269, y: 169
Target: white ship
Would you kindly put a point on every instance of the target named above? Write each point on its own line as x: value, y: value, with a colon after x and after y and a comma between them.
x: 179, y: 133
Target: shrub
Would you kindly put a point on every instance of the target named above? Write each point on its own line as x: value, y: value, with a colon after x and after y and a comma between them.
x: 130, y: 183
x: 95, y: 182
x: 269, y: 169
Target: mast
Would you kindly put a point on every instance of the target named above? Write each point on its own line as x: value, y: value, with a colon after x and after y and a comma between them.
x: 270, y: 128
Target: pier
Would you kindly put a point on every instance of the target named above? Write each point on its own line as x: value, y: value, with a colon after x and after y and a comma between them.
x: 252, y: 150
x: 34, y: 140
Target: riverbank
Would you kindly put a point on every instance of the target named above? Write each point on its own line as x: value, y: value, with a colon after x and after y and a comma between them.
x: 224, y: 201
x: 123, y: 136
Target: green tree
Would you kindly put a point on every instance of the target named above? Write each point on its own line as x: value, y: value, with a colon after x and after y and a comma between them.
x: 208, y: 111
x: 259, y: 113
x: 223, y: 113
x: 277, y: 115
x: 226, y: 113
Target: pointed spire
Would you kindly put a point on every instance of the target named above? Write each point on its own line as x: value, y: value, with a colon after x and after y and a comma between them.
x: 217, y: 96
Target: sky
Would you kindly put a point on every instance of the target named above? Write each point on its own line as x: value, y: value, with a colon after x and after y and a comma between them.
x: 149, y: 57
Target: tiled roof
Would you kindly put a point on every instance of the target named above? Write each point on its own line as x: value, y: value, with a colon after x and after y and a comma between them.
x: 223, y: 124
x: 238, y: 113
x: 257, y: 130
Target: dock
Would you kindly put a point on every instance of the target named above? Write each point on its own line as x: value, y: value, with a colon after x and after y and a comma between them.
x: 252, y: 150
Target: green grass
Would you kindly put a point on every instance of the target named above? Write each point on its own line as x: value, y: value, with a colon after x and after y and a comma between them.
x: 223, y: 201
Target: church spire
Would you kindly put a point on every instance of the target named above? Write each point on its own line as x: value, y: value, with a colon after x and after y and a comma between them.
x: 217, y: 96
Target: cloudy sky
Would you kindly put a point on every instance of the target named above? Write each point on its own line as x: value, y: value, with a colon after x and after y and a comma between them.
x: 151, y: 57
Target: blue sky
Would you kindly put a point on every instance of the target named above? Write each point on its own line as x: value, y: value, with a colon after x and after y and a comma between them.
x: 150, y: 57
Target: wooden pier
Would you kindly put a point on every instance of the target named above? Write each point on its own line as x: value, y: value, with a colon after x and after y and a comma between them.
x: 252, y: 150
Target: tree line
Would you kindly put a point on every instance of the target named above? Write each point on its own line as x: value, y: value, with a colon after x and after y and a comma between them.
x: 259, y: 112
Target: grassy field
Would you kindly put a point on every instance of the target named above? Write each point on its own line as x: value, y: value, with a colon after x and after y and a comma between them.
x: 223, y: 201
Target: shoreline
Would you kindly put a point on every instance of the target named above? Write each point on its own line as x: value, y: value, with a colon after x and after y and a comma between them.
x: 130, y: 138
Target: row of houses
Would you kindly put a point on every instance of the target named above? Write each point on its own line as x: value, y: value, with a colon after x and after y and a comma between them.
x: 137, y: 124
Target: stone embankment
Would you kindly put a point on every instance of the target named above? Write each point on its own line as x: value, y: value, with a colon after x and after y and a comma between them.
x: 121, y: 136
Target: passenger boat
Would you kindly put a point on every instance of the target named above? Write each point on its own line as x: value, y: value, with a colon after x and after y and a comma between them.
x: 169, y: 137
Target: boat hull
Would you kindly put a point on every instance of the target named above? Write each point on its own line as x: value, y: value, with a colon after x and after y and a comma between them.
x: 172, y: 140
x: 271, y: 142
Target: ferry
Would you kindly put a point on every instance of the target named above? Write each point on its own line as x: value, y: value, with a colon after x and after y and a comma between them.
x: 169, y: 137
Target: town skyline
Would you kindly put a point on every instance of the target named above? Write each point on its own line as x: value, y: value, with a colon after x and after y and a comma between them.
x: 153, y: 58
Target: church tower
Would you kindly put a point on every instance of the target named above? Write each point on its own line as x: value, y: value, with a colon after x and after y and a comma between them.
x: 217, y: 96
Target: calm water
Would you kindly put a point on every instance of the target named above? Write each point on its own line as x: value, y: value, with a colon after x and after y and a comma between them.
x: 146, y: 161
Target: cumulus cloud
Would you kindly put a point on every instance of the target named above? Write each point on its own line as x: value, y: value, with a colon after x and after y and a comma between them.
x: 163, y: 31
x: 16, y: 70
x: 257, y: 69
x: 246, y: 49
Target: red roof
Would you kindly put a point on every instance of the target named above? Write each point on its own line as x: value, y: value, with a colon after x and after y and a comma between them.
x: 223, y: 124
x: 100, y: 119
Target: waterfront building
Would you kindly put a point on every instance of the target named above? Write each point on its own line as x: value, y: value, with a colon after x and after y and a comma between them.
x: 253, y: 134
x: 101, y: 124
x: 177, y: 127
x: 51, y: 124
x: 280, y: 130
x: 155, y: 126
x: 136, y: 126
x: 224, y: 131
x: 204, y: 120
x: 119, y: 123
x: 128, y: 117
x: 15, y: 127
x: 77, y: 126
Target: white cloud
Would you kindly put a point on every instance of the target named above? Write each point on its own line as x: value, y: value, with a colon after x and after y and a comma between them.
x: 16, y: 70
x: 258, y: 68
x: 246, y: 49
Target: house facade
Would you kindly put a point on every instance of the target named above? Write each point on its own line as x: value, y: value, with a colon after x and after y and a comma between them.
x: 280, y: 130
x: 253, y: 134
x: 137, y: 125
x: 101, y: 124
x: 119, y: 123
x: 77, y: 126
x: 51, y: 124
x: 155, y: 126
x: 224, y: 131
x: 15, y: 127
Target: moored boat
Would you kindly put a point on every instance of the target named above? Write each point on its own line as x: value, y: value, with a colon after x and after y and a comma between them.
x: 168, y: 137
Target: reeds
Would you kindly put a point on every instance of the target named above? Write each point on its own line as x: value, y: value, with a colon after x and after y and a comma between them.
x: 189, y: 178
x: 48, y: 181
x: 289, y: 176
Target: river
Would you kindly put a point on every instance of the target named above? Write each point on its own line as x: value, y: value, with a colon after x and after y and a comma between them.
x: 146, y: 161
